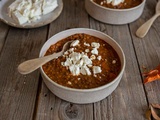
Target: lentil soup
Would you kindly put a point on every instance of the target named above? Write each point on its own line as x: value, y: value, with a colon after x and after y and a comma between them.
x: 125, y: 5
x: 89, y: 62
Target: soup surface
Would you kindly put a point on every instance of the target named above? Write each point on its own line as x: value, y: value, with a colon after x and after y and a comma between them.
x: 97, y: 63
x: 126, y: 4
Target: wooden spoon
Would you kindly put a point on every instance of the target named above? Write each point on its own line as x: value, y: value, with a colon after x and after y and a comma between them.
x: 142, y: 31
x: 33, y: 64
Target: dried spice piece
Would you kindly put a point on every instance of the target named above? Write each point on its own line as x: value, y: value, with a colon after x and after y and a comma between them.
x: 148, y: 114
x: 154, y: 112
x: 152, y: 75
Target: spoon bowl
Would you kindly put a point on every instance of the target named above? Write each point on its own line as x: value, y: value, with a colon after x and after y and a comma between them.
x: 142, y: 31
x: 33, y: 64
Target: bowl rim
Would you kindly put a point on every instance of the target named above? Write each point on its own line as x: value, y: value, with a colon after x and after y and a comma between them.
x: 91, y: 89
x: 123, y: 10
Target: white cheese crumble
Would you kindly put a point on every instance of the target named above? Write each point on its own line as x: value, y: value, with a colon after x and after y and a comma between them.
x: 96, y: 69
x: 86, y: 44
x: 74, y: 43
x: 71, y: 50
x: 23, y: 11
x: 75, y: 57
x: 75, y: 70
x: 94, y: 51
x: 114, y: 2
x: 49, y: 6
x: 87, y: 50
x: 69, y: 83
x: 85, y: 70
x: 86, y: 60
x: 114, y: 62
x: 80, y: 63
x: 89, y: 65
x: 95, y: 45
x: 93, y: 57
x: 66, y: 52
x: 99, y: 57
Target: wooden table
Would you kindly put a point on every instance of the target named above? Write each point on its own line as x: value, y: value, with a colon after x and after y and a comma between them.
x: 25, y: 97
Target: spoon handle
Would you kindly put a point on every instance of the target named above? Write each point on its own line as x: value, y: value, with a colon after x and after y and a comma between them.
x: 33, y: 64
x: 142, y: 31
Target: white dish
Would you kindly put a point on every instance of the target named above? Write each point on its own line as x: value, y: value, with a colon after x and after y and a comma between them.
x: 45, y: 19
x: 83, y: 96
x: 114, y: 16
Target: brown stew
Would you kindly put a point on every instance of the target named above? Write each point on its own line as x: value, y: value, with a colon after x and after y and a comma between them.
x: 109, y: 63
x: 126, y: 4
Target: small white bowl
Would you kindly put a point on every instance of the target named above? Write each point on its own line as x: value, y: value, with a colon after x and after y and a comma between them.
x: 113, y: 16
x: 82, y: 96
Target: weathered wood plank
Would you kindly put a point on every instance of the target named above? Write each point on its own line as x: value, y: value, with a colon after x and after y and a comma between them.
x: 18, y: 92
x: 73, y: 16
x: 148, y: 49
x: 3, y: 33
x: 52, y: 107
x: 128, y: 101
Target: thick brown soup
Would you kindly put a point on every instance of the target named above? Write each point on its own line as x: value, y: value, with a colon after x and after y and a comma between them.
x: 96, y: 69
x: 126, y: 4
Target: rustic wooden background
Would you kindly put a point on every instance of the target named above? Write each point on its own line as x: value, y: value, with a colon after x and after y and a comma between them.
x: 27, y: 97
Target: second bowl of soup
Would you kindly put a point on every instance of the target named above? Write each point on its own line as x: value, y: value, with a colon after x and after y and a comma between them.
x: 115, y: 11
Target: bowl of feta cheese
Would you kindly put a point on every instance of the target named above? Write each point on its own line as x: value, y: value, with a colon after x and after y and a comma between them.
x: 88, y: 71
x: 30, y: 13
x: 115, y: 12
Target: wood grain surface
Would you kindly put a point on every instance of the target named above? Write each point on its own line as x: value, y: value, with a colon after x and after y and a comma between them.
x: 3, y: 33
x: 26, y: 97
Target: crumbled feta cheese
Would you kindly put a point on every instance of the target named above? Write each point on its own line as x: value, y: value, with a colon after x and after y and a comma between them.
x: 23, y: 11
x: 95, y: 75
x: 71, y: 50
x: 114, y: 2
x: 77, y: 63
x: 36, y: 10
x: 69, y: 83
x: 101, y: 3
x: 66, y: 53
x: 114, y: 61
x: 94, y: 51
x: 75, y: 56
x: 12, y: 7
x: 86, y: 60
x: 74, y: 43
x: 18, y: 17
x: 49, y: 6
x: 80, y: 63
x: 85, y: 70
x: 93, y: 57
x: 75, y: 70
x: 62, y: 63
x: 87, y: 50
x: 95, y: 45
x: 86, y: 44
x: 109, y: 1
x: 68, y: 62
x: 89, y: 65
x: 96, y: 69
x: 99, y: 57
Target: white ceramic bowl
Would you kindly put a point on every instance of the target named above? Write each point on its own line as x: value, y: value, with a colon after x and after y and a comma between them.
x: 113, y: 16
x: 82, y: 96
